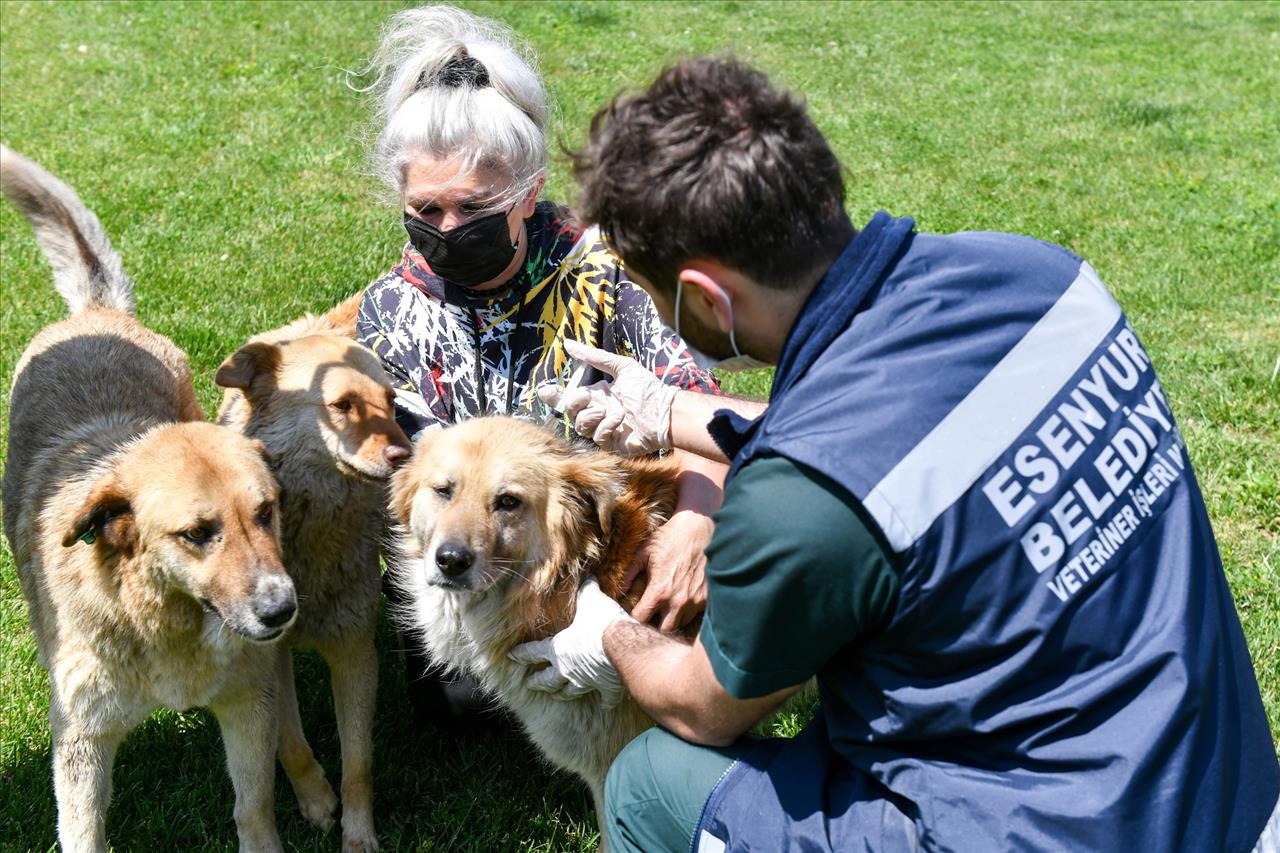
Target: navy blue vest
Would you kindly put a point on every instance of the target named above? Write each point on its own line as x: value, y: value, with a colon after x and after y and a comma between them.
x: 1064, y: 668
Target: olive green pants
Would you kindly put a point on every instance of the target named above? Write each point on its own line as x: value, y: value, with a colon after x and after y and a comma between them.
x: 656, y: 788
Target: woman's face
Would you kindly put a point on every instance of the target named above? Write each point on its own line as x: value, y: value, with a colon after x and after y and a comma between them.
x: 435, y: 193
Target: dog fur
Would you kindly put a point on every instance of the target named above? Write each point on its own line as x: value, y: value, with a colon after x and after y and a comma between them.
x: 538, y: 515
x: 323, y: 407
x: 146, y: 539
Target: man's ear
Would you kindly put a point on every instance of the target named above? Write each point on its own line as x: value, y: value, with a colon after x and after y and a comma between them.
x: 705, y: 285
x: 252, y: 369
x: 105, y: 518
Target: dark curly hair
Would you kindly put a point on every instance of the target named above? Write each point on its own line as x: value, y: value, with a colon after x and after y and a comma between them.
x: 711, y: 162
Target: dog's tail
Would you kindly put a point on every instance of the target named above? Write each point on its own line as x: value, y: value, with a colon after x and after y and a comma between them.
x: 87, y: 272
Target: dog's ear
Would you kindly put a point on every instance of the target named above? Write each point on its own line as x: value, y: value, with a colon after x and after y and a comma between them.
x: 404, y: 488
x: 105, y: 519
x: 342, y: 317
x: 596, y: 480
x: 407, y: 479
x: 252, y: 368
x: 261, y: 449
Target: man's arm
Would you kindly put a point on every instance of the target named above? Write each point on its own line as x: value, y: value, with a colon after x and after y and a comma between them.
x: 672, y: 558
x: 700, y: 483
x: 691, y: 413
x: 637, y: 413
x: 674, y: 683
x: 796, y: 575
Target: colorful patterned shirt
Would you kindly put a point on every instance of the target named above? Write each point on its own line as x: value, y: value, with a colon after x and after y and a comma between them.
x: 453, y: 354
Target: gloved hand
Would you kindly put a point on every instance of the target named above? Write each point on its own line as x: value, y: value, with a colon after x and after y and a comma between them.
x: 630, y: 416
x: 576, y: 658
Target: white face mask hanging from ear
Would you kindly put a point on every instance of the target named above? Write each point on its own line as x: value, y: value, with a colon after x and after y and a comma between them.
x: 729, y: 365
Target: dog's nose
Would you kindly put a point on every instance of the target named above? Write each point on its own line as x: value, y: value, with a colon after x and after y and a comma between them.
x: 396, y: 453
x: 454, y: 559
x: 276, y: 602
x: 276, y: 613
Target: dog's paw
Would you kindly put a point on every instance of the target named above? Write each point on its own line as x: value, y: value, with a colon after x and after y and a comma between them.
x: 357, y: 830
x: 363, y: 843
x: 318, y: 804
x: 316, y: 799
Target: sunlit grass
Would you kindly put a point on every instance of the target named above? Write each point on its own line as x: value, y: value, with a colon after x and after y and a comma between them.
x: 222, y: 150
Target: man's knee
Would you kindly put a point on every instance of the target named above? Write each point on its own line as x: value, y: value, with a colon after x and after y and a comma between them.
x: 629, y: 776
x: 655, y: 790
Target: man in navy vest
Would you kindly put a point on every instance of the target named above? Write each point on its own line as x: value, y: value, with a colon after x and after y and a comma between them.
x: 967, y: 510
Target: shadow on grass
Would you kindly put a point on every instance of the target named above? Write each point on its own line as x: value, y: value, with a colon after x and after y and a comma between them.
x: 432, y: 790
x: 26, y: 802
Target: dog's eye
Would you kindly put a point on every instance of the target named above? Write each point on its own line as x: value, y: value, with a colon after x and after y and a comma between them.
x: 508, y: 502
x: 197, y: 535
x: 265, y: 513
x: 341, y: 406
x: 445, y: 492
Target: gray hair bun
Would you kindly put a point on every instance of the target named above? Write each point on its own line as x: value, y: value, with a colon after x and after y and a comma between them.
x: 454, y: 86
x: 462, y: 70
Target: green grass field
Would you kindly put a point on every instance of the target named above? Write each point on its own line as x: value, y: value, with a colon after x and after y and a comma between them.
x: 224, y: 154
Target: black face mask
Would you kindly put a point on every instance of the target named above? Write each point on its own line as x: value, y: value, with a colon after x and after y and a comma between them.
x: 470, y: 254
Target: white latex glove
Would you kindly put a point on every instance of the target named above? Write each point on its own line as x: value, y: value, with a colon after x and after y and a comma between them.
x: 630, y: 416
x: 576, y: 660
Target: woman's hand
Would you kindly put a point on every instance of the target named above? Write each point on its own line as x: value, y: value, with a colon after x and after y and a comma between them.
x: 673, y: 562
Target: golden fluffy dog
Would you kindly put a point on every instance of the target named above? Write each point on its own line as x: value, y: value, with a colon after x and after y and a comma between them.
x: 323, y: 408
x: 499, y: 523
x: 147, y: 540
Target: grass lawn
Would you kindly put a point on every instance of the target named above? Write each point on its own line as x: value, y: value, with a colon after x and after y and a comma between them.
x: 224, y: 154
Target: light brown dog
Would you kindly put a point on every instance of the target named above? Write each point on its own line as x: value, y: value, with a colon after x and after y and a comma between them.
x: 147, y: 540
x: 500, y: 522
x: 323, y: 408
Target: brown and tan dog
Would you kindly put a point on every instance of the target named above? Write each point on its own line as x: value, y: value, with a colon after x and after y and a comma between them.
x: 500, y: 522
x: 323, y: 407
x: 146, y: 540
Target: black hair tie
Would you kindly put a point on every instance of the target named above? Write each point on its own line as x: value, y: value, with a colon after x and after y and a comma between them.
x: 463, y: 70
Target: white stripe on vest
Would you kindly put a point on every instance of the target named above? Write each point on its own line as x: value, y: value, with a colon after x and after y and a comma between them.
x: 950, y: 459
x: 708, y: 843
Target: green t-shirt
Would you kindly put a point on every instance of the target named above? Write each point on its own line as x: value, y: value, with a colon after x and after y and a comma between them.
x: 794, y: 575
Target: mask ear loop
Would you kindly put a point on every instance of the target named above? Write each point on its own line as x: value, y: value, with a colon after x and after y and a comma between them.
x: 734, y: 343
x: 728, y: 307
x: 727, y: 304
x: 679, y: 291
x: 519, y: 234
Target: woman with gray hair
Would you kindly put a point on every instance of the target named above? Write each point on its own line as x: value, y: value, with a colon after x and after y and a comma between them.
x: 493, y: 282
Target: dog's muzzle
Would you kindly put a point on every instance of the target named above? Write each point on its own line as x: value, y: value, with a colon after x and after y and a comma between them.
x: 275, y: 602
x: 454, y: 559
